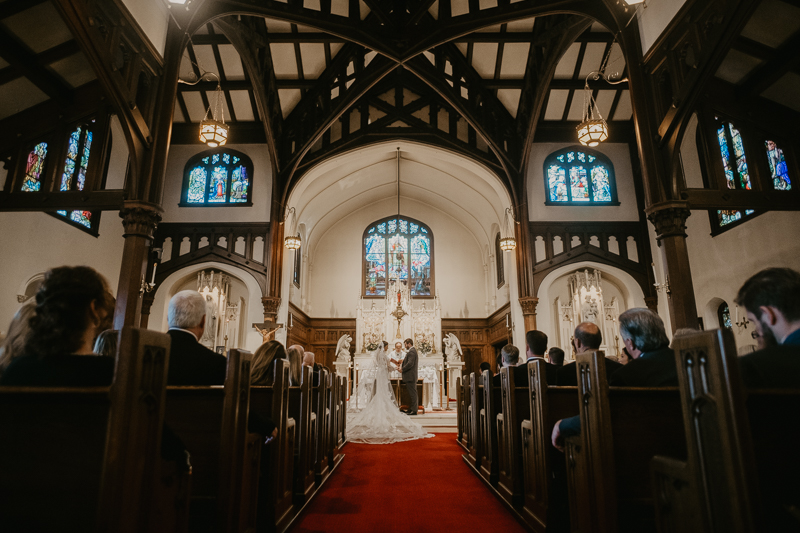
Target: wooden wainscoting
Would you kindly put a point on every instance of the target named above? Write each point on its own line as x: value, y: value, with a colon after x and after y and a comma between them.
x: 478, y: 337
x: 320, y: 335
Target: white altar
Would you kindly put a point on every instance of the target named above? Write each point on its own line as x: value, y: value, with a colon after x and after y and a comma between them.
x: 586, y: 304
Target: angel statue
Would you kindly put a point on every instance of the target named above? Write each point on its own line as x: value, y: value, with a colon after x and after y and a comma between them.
x: 452, y: 348
x: 343, y: 348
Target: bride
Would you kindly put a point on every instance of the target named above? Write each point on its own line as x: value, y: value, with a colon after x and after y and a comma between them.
x: 380, y: 421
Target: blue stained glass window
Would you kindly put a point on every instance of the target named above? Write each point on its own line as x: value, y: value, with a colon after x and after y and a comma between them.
x: 218, y: 179
x: 33, y: 169
x: 724, y: 315
x: 777, y: 167
x: 72, y: 155
x: 728, y: 216
x: 578, y: 176
x: 73, y: 177
x: 734, y: 166
x: 83, y: 218
x: 404, y: 254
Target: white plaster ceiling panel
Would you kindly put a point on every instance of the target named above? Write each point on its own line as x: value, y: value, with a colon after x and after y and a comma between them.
x: 616, y: 61
x: 202, y: 30
x: 566, y: 65
x: 75, y: 70
x: 231, y: 62
x: 364, y: 10
x: 18, y: 95
x: 785, y: 91
x: 487, y: 4
x: 242, y: 105
x: 283, y: 60
x: 177, y: 116
x: 340, y: 7
x: 459, y: 7
x: 335, y: 47
x: 223, y: 104
x: 434, y: 10
x: 463, y: 48
x: 515, y: 60
x: 204, y: 55
x: 289, y: 99
x: 278, y: 26
x: 490, y: 29
x: 510, y: 99
x: 39, y: 28
x: 736, y: 66
x: 556, y: 103
x: 592, y: 58
x: 313, y: 55
x: 186, y: 72
x: 772, y: 23
x: 599, y: 28
x: 194, y: 105
x: 306, y: 29
x: 525, y: 25
x: 624, y: 110
x: 311, y: 4
x: 484, y: 57
x: 604, y: 101
x: 576, y: 106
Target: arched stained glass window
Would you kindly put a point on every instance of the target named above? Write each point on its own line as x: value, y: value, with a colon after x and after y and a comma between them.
x: 734, y: 165
x: 578, y: 176
x: 218, y: 177
x: 498, y: 258
x: 398, y: 247
x: 724, y: 316
x: 32, y: 181
x: 777, y: 167
x: 76, y: 164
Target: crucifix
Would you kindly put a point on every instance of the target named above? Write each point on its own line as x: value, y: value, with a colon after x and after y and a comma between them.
x: 267, y: 330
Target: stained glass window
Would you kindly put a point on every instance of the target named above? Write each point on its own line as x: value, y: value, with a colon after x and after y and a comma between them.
x: 777, y: 167
x: 298, y: 263
x: 223, y: 177
x: 76, y: 165
x: 33, y: 169
x: 579, y: 177
x: 398, y: 248
x: 734, y: 165
x: 724, y: 316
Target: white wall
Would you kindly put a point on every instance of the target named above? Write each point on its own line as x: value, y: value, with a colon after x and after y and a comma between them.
x: 619, y: 155
x: 336, y: 263
x: 261, y: 191
x: 35, y: 242
x: 152, y: 16
x: 654, y: 17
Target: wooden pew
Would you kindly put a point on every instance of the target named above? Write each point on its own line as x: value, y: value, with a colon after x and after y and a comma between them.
x: 742, y: 458
x: 300, y: 410
x: 461, y: 436
x: 338, y: 394
x: 320, y: 403
x: 88, y: 458
x: 516, y: 408
x: 212, y: 422
x: 622, y: 428
x: 474, y: 440
x: 275, y: 507
x: 543, y: 465
x: 491, y: 407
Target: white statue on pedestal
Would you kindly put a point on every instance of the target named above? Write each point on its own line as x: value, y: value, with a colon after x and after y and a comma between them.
x: 343, y: 348
x: 452, y: 348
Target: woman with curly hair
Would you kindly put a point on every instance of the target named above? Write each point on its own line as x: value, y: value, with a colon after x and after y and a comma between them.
x: 13, y: 344
x: 262, y: 369
x: 73, y: 305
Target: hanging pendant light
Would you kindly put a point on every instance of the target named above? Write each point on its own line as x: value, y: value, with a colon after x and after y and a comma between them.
x: 293, y: 241
x: 593, y: 128
x: 507, y: 241
x: 214, y: 131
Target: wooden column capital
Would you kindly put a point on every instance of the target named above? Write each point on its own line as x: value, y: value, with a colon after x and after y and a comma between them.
x: 140, y: 219
x: 669, y: 218
x: 271, y: 305
x: 528, y: 304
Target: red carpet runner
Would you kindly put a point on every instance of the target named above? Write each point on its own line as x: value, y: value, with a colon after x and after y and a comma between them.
x: 421, y: 485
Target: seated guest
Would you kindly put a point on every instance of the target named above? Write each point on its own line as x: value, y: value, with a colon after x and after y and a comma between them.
x: 191, y: 363
x: 586, y: 338
x: 261, y: 371
x: 771, y: 299
x: 12, y: 345
x: 308, y: 360
x: 510, y: 355
x: 295, y: 355
x: 624, y: 357
x: 72, y: 306
x: 106, y: 343
x: 682, y: 332
x: 485, y: 366
x: 644, y: 336
x: 498, y: 363
x: 535, y: 347
x: 556, y: 356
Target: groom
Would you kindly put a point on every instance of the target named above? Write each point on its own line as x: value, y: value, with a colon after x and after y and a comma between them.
x: 409, y: 370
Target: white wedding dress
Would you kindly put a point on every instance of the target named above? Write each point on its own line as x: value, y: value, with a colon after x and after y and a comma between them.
x: 378, y: 419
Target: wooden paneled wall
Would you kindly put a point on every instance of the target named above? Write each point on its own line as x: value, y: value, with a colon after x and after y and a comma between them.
x: 319, y: 335
x: 479, y: 336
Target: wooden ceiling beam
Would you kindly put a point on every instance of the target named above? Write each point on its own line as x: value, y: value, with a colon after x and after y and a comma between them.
x: 12, y: 7
x: 783, y: 60
x: 25, y: 62
x: 527, y: 37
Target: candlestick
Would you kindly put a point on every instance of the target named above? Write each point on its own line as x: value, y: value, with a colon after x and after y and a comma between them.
x: 153, y: 279
x: 655, y: 277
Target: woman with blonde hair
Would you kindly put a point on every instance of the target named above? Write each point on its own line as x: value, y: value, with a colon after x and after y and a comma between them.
x: 295, y: 355
x: 264, y: 357
x: 14, y: 342
x: 106, y: 343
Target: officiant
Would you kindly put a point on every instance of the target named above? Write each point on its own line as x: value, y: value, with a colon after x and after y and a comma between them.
x: 397, y: 355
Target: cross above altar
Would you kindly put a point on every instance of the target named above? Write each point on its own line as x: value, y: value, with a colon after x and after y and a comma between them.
x: 267, y: 330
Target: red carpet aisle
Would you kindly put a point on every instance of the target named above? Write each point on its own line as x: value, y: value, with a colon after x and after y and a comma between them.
x: 421, y: 485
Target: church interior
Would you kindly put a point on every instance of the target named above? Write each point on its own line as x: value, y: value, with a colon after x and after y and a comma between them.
x: 339, y: 173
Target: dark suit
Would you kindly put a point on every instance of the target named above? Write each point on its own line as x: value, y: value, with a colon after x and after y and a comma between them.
x: 551, y: 372
x: 774, y: 367
x: 568, y: 376
x: 651, y: 369
x: 191, y: 363
x: 60, y: 371
x: 409, y: 369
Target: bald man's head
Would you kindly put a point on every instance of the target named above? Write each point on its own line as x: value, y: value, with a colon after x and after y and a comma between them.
x: 587, y: 337
x: 308, y: 359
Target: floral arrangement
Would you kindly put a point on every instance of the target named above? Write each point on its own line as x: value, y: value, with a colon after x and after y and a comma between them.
x: 425, y: 347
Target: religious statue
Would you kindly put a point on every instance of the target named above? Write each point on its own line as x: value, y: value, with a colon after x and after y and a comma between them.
x: 452, y: 348
x: 343, y: 348
x: 589, y: 309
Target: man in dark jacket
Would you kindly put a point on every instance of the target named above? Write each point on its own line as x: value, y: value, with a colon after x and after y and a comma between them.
x: 586, y: 338
x: 191, y: 363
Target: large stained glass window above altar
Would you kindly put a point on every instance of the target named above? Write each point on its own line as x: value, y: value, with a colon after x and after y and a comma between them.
x: 398, y: 248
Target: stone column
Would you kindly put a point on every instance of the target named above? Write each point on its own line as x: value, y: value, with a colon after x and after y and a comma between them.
x: 139, y: 220
x: 528, y: 304
x: 669, y: 220
x: 271, y: 305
